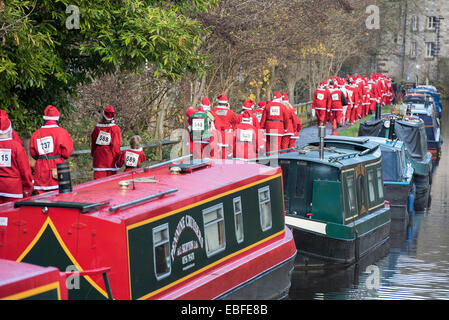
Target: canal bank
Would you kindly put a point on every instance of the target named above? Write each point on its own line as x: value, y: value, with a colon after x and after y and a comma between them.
x: 414, y: 265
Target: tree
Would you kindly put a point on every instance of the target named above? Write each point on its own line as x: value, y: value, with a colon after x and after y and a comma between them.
x: 44, y: 59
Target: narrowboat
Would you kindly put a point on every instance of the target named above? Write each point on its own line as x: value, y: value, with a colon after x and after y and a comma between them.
x: 425, y: 110
x: 24, y: 281
x: 181, y: 229
x: 433, y: 92
x: 334, y: 201
x: 398, y: 181
x: 410, y: 130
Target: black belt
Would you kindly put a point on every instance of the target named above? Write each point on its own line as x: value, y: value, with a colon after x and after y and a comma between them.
x: 132, y: 167
x: 275, y: 120
x: 50, y: 157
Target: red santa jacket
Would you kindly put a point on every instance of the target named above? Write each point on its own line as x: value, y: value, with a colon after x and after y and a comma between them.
x: 321, y: 99
x: 275, y: 119
x: 246, y: 141
x: 105, y: 146
x: 338, y: 99
x: 49, y: 146
x: 131, y: 158
x: 297, y: 126
x: 258, y: 114
x: 249, y: 118
x: 225, y: 121
x: 16, y: 180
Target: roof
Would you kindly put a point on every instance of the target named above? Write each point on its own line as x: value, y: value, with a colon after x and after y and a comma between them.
x: 105, y: 199
x: 339, y: 151
x: 387, y: 143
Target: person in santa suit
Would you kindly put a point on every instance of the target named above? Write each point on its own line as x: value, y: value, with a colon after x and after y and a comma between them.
x: 189, y: 112
x: 248, y: 105
x: 321, y: 104
x: 49, y: 145
x: 105, y: 145
x: 246, y: 138
x: 290, y: 133
x: 14, y: 134
x: 338, y: 100
x: 16, y: 179
x: 132, y: 158
x: 259, y: 110
x: 225, y: 121
x: 276, y: 119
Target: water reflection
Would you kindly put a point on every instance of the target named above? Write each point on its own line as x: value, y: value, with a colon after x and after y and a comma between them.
x: 412, y: 265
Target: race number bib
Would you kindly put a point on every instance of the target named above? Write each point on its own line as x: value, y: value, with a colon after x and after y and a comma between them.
x: 197, y: 124
x: 104, y: 138
x: 335, y: 97
x: 5, y: 157
x: 131, y: 159
x: 45, y: 145
x: 222, y: 112
x: 246, y: 135
x: 320, y: 96
x: 275, y: 111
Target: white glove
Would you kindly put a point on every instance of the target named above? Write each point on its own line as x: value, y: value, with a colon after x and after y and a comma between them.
x: 313, y: 113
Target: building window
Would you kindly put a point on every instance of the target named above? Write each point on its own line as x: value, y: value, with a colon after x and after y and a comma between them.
x: 161, y: 249
x: 265, y: 208
x: 430, y: 49
x: 413, y: 49
x: 414, y: 23
x: 214, y: 232
x: 431, y: 23
x: 238, y: 217
x: 380, y: 183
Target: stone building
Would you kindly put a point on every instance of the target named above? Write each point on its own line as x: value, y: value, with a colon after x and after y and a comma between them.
x: 413, y: 49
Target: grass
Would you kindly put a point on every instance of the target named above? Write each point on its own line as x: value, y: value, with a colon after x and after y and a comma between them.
x: 353, y: 130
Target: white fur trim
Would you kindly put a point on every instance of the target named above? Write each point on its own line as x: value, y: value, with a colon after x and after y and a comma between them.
x: 56, y: 118
x: 7, y: 130
x: 11, y: 195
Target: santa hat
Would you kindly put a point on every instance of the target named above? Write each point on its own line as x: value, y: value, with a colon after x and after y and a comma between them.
x: 248, y: 105
x: 51, y: 113
x: 205, y: 103
x: 246, y: 115
x: 284, y: 97
x: 3, y: 113
x: 277, y: 97
x: 109, y: 113
x: 323, y: 83
x: 261, y: 105
x: 5, y: 124
x: 222, y: 99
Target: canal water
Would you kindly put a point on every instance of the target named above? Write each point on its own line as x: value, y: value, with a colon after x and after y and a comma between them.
x: 412, y: 265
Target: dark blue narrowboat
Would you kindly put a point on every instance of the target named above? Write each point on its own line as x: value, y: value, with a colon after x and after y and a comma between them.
x: 398, y: 181
x: 410, y: 130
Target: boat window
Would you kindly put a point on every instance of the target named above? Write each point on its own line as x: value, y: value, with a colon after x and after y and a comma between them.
x: 238, y: 218
x: 285, y: 165
x: 161, y: 248
x: 351, y: 194
x: 372, y: 196
x: 300, y: 178
x: 380, y: 184
x: 265, y: 208
x: 214, y: 235
x: 362, y: 191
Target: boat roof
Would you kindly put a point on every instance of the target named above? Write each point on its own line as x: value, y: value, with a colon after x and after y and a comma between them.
x: 154, y: 189
x: 339, y: 151
x: 387, y: 143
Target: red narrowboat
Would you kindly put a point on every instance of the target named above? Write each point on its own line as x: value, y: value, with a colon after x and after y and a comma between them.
x: 193, y: 230
x: 23, y: 281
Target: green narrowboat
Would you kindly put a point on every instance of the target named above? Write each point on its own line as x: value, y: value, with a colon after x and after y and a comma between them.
x: 334, y: 200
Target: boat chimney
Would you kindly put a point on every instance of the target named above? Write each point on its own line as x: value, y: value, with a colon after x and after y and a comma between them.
x: 378, y: 111
x: 391, y: 129
x: 321, y: 135
x: 64, y: 178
